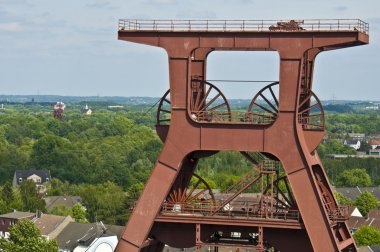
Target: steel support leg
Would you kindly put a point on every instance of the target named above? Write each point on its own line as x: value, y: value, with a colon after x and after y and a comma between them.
x: 149, y: 204
x: 198, y: 237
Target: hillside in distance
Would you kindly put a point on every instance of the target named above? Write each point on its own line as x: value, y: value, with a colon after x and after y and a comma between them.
x: 76, y: 99
x: 339, y: 106
x: 139, y: 100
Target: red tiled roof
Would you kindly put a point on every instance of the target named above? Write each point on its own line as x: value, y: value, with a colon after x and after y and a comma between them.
x: 374, y: 142
x: 47, y: 223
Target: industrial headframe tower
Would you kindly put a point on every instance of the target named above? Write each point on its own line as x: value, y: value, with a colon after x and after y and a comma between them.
x: 279, y: 133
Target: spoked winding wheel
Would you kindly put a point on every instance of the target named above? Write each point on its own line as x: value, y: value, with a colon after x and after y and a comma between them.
x: 197, y: 195
x: 207, y: 103
x: 310, y: 111
x: 264, y: 106
x: 164, y: 110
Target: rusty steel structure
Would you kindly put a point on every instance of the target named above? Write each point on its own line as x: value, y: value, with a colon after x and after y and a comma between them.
x: 278, y: 133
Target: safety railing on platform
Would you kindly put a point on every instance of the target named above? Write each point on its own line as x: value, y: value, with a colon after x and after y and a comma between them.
x: 342, y: 213
x: 233, y: 117
x: 211, y: 116
x: 257, y: 118
x: 245, y: 25
x: 312, y: 121
x: 246, y: 210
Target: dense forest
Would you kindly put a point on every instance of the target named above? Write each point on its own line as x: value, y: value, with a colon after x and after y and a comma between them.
x: 80, y: 149
x: 122, y: 146
x: 104, y: 155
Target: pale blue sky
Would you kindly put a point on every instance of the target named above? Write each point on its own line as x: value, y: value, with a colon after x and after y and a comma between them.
x: 70, y: 47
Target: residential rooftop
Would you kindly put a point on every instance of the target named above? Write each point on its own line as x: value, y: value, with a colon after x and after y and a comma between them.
x: 67, y: 201
x: 17, y: 215
x: 353, y: 192
x: 75, y: 234
x: 47, y: 223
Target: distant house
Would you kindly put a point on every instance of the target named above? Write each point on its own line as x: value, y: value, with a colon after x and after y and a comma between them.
x: 355, y: 220
x: 369, y: 249
x: 354, y: 211
x: 374, y: 152
x: 356, y: 136
x: 52, y: 225
x: 10, y: 219
x: 353, y: 143
x: 374, y: 143
x: 86, y: 110
x: 49, y: 225
x: 372, y: 220
x: 37, y: 176
x: 55, y: 201
x: 353, y: 192
x: 90, y: 237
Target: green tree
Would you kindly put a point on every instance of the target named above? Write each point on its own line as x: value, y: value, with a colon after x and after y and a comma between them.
x: 7, y: 193
x: 335, y: 147
x: 365, y: 202
x: 367, y: 236
x: 343, y: 200
x: 58, y: 188
x: 79, y: 213
x: 30, y: 198
x: 3, y: 207
x: 135, y: 190
x: 353, y: 177
x: 16, y: 204
x: 104, y: 202
x: 26, y: 237
x: 364, y: 146
x: 61, y: 210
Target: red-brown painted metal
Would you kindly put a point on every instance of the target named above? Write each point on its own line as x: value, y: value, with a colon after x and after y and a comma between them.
x: 287, y: 137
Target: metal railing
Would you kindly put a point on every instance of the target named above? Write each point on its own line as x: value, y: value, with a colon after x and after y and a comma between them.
x: 211, y: 116
x: 244, y: 25
x: 246, y: 210
x: 312, y: 121
x: 342, y: 213
x: 233, y: 117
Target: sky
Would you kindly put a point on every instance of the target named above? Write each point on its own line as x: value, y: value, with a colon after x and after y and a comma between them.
x: 70, y: 47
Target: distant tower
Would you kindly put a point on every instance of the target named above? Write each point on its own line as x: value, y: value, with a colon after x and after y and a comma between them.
x: 58, y: 110
x: 86, y: 110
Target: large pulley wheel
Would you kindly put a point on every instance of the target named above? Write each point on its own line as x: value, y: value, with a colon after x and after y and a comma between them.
x: 164, y: 110
x: 263, y: 108
x: 310, y: 111
x: 196, y: 195
x: 207, y: 103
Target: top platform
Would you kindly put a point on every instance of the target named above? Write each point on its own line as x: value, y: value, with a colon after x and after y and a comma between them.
x: 314, y: 25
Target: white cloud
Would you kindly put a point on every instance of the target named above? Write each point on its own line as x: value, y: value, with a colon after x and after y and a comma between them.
x: 11, y: 27
x: 84, y: 32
